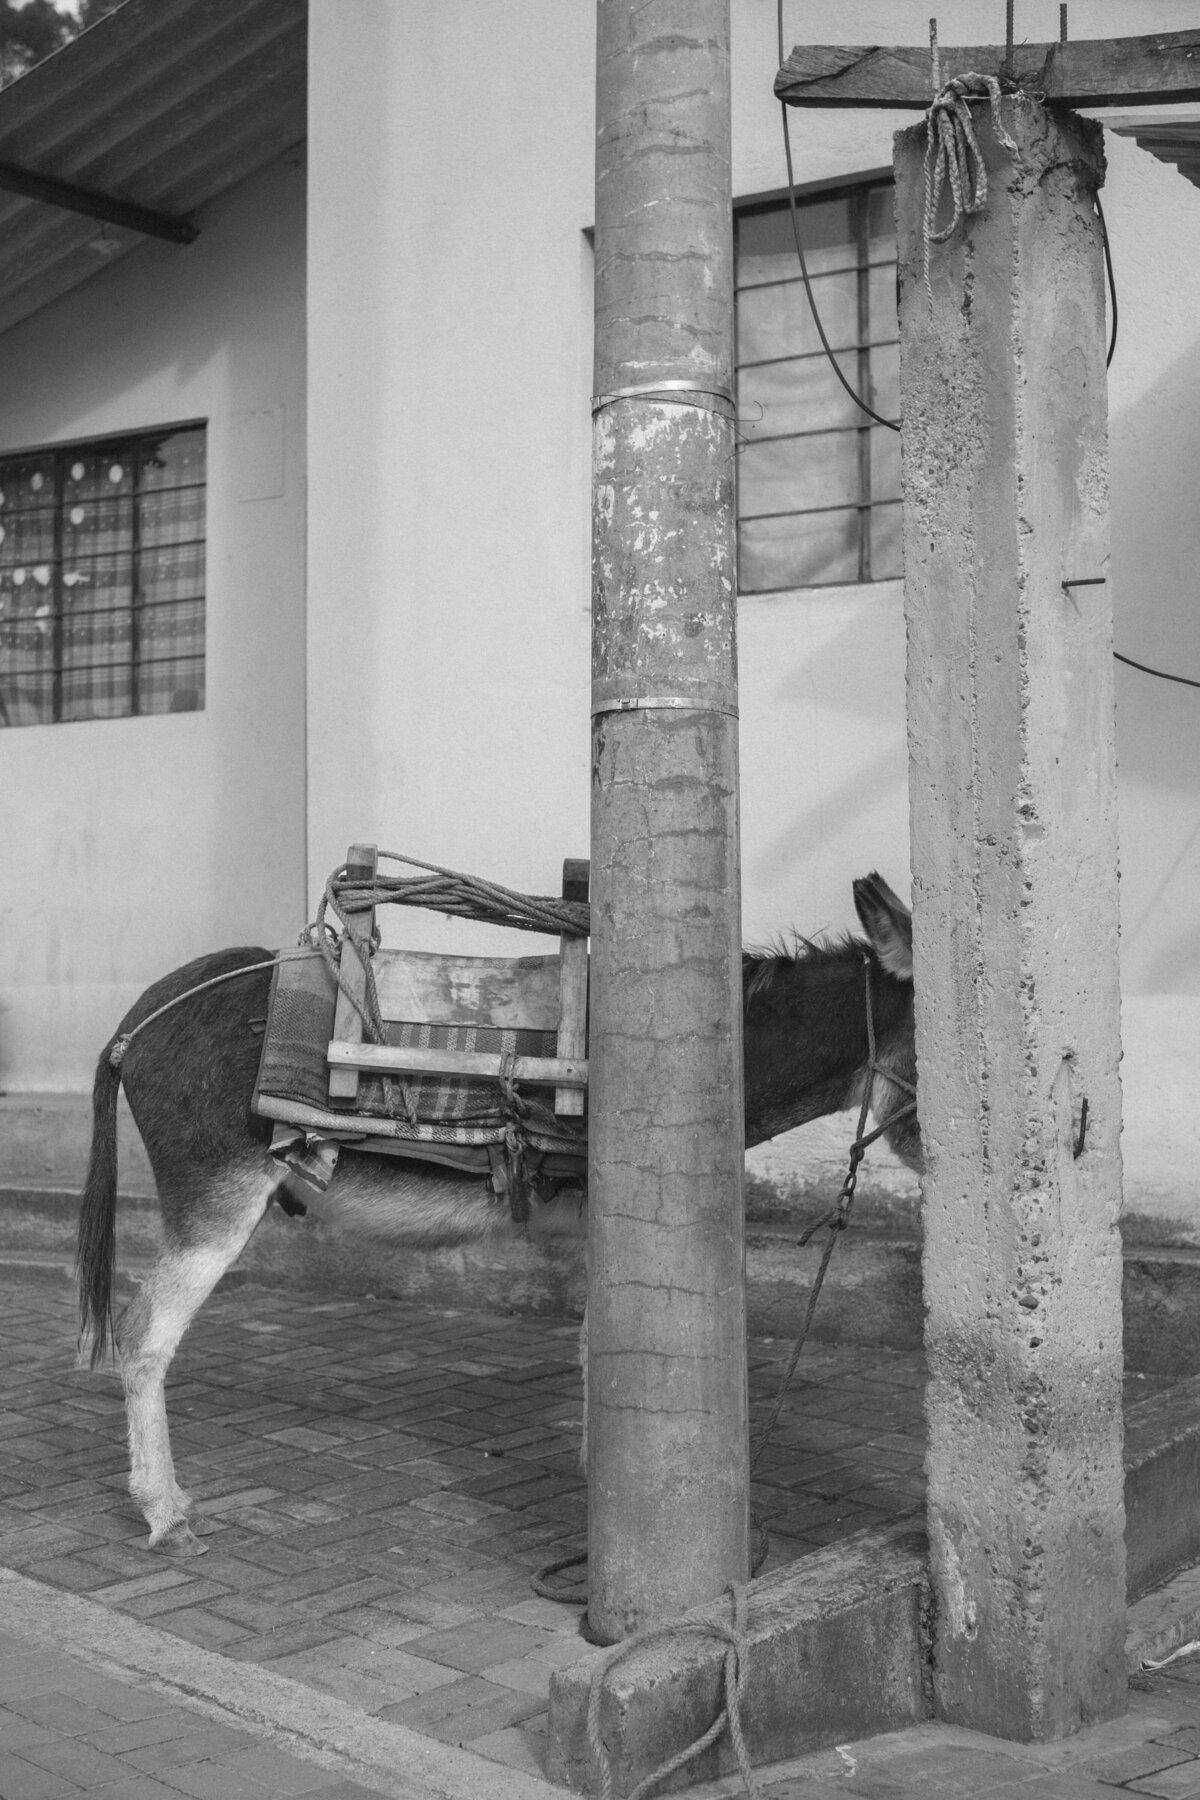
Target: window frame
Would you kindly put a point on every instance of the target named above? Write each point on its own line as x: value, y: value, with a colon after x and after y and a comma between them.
x: 132, y: 443
x: 856, y: 189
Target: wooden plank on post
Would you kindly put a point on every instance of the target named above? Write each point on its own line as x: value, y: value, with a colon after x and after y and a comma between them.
x: 362, y: 862
x: 573, y: 989
x: 1139, y: 71
x: 478, y: 1065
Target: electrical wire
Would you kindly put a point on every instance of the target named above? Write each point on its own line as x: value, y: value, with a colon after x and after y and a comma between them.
x: 1162, y: 674
x: 891, y: 424
x: 1112, y: 282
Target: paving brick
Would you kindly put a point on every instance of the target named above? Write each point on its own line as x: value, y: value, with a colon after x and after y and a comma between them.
x: 16, y: 1731
x: 21, y: 1780
x: 215, y: 1781
x: 202, y: 1743
x: 61, y: 1711
x: 136, y: 1734
x: 464, y: 1710
x: 278, y: 1772
x: 285, y: 1642
x: 74, y: 1761
x: 1143, y: 1759
x: 1179, y: 1783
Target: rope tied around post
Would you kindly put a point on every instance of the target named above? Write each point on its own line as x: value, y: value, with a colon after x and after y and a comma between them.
x: 953, y: 156
x: 729, y: 1717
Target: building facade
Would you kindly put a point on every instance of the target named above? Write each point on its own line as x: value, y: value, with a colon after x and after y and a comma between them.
x: 384, y: 333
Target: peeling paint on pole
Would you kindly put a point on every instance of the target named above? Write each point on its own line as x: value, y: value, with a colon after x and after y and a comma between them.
x: 1012, y: 782
x: 668, y: 1465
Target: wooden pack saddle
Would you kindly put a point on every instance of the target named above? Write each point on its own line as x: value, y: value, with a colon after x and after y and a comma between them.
x: 484, y: 1066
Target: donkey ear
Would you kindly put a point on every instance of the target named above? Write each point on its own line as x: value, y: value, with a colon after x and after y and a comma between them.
x: 887, y: 923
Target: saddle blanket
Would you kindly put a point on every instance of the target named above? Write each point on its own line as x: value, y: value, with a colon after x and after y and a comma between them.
x: 443, y: 1117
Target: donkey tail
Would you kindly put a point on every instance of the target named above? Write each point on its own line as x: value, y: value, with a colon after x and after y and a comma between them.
x: 96, y: 1247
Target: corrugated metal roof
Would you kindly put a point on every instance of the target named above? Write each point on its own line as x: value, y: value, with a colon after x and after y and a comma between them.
x: 1170, y: 138
x: 162, y: 104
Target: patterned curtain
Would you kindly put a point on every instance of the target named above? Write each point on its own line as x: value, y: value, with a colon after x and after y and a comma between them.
x: 102, y: 579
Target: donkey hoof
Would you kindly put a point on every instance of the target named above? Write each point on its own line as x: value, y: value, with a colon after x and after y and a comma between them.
x: 180, y: 1540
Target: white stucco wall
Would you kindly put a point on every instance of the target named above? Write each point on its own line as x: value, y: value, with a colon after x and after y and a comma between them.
x: 448, y: 649
x: 133, y: 845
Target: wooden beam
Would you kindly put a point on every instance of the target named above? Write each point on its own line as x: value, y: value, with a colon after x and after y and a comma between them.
x: 70, y: 198
x: 396, y: 1059
x: 1134, y: 71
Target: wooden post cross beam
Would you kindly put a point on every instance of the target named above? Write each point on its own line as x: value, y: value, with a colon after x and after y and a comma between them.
x: 1133, y: 71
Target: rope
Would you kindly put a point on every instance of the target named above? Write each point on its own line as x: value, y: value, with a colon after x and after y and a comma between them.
x: 952, y: 155
x: 120, y: 1045
x: 461, y: 896
x: 729, y: 1716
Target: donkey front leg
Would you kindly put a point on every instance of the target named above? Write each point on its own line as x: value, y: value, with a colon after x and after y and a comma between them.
x: 148, y: 1336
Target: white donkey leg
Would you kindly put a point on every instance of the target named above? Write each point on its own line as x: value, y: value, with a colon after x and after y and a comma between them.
x: 147, y: 1338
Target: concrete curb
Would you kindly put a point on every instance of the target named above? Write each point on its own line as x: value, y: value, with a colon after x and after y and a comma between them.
x: 834, y: 1649
x: 315, y: 1726
x: 1162, y: 1480
x: 1163, y: 1621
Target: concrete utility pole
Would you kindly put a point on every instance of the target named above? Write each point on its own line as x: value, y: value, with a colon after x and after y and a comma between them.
x: 668, y: 1507
x: 1014, y: 854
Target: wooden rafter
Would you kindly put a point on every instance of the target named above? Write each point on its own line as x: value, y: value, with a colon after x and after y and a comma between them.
x: 1134, y: 71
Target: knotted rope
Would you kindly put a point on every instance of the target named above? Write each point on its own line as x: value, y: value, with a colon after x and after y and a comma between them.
x: 953, y: 156
x: 734, y: 1637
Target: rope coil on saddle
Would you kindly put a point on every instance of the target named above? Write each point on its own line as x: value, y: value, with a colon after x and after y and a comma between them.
x: 953, y: 157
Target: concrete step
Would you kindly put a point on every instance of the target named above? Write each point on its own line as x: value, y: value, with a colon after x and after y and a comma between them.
x: 44, y: 1141
x: 872, y: 1293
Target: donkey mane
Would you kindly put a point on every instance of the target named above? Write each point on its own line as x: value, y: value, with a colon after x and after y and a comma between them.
x: 764, y: 965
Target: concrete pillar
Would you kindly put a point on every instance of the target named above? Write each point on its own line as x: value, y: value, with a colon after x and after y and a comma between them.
x: 1014, y: 858
x: 668, y: 1477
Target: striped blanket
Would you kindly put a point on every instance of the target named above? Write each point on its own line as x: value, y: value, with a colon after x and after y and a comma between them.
x: 425, y: 1111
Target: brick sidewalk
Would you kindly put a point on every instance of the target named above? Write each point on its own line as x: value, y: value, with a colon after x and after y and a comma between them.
x: 377, y: 1482
x: 65, y: 1729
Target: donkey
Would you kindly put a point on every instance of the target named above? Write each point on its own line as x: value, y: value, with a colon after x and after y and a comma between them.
x: 189, y: 1077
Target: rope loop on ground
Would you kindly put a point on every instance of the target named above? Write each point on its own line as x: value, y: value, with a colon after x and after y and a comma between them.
x: 729, y: 1717
x: 953, y: 157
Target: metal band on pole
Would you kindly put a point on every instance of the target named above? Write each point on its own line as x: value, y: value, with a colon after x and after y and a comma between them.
x: 663, y: 703
x: 687, y: 393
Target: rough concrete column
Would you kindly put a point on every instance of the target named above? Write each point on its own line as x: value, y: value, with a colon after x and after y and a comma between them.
x: 668, y: 1480
x: 1014, y: 857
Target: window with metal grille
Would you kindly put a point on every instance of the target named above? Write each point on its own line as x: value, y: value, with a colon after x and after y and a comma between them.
x: 102, y: 578
x: 818, y: 481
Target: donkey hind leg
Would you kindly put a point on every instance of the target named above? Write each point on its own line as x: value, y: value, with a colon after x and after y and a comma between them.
x: 148, y: 1336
